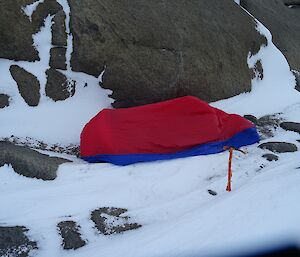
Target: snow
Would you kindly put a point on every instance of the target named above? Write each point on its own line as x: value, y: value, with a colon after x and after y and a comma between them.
x: 275, y: 92
x: 30, y: 9
x: 51, y: 122
x: 168, y: 198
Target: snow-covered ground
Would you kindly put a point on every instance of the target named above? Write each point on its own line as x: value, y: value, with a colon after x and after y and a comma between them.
x: 169, y: 198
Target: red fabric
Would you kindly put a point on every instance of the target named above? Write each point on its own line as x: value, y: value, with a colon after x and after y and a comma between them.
x: 164, y: 127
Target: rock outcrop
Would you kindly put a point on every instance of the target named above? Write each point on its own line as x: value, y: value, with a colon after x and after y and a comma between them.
x: 16, y: 32
x: 4, y: 100
x: 279, y: 147
x: 58, y: 86
x: 283, y: 22
x: 28, y: 162
x: 14, y: 242
x: 28, y: 85
x: 156, y: 50
x: 69, y: 231
x: 108, y: 220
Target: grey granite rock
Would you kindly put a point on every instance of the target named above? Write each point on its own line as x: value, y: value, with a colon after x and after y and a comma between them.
x: 70, y: 234
x: 279, y: 147
x: 28, y: 85
x: 108, y: 220
x: 58, y: 58
x: 58, y: 86
x: 15, y: 243
x: 157, y: 50
x: 291, y: 126
x: 28, y: 162
x: 4, y: 100
x: 270, y: 157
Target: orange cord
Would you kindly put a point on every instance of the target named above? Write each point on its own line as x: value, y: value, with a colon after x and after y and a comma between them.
x: 228, y: 188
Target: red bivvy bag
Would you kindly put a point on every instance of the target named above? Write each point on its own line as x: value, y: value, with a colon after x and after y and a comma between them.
x: 182, y: 127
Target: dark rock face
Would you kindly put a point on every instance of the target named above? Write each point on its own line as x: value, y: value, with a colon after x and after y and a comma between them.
x: 48, y: 7
x: 14, y: 242
x: 28, y: 85
x: 270, y: 157
x: 265, y: 125
x: 28, y: 162
x: 58, y: 87
x: 279, y: 147
x: 4, y: 100
x: 59, y: 36
x: 70, y: 234
x: 108, y: 220
x: 58, y: 58
x: 297, y: 77
x: 157, y: 50
x: 16, y: 32
x: 291, y: 126
x: 283, y: 22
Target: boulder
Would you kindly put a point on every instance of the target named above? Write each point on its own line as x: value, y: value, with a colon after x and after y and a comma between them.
x: 108, y: 220
x: 15, y: 243
x: 291, y: 126
x: 157, y: 50
x: 16, y: 32
x: 279, y: 147
x: 265, y: 125
x: 48, y: 7
x: 297, y: 78
x: 4, y: 100
x: 283, y: 22
x: 58, y: 86
x: 70, y: 234
x: 59, y: 35
x: 58, y: 58
x: 28, y: 162
x: 28, y: 85
x: 270, y: 157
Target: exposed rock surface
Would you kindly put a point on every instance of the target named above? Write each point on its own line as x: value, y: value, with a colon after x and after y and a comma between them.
x: 28, y: 162
x: 58, y: 58
x: 156, y: 50
x: 59, y: 35
x: 283, y: 22
x: 270, y: 157
x: 266, y: 124
x: 14, y: 242
x: 211, y: 192
x: 58, y: 87
x: 48, y: 7
x: 28, y: 85
x: 297, y: 77
x: 70, y: 234
x: 279, y: 147
x: 291, y: 126
x: 108, y: 220
x: 16, y: 32
x: 4, y: 100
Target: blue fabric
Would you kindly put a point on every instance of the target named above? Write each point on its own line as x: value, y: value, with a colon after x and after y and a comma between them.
x: 246, y: 137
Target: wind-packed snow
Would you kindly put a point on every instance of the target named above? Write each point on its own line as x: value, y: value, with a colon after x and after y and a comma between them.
x: 51, y: 122
x: 275, y: 92
x: 168, y: 198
